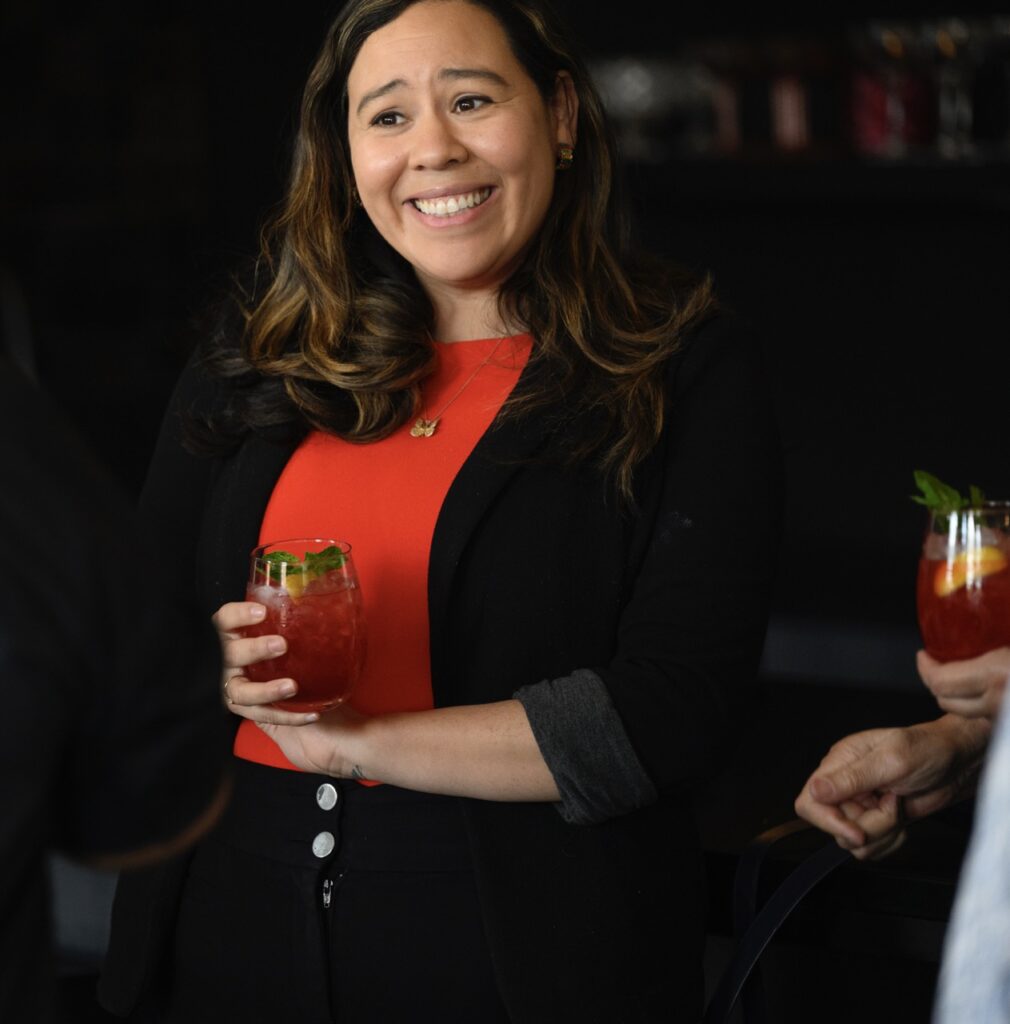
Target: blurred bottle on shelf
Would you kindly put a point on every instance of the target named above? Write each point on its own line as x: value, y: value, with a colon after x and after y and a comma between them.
x: 932, y: 89
x: 803, y: 97
x: 956, y: 55
x: 741, y: 114
x: 892, y: 92
x: 725, y: 97
x: 923, y: 91
x: 661, y: 107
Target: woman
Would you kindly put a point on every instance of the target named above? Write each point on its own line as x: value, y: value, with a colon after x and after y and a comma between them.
x: 555, y: 465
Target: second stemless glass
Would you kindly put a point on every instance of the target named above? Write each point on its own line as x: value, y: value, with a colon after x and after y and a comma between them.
x: 311, y: 594
x: 963, y: 590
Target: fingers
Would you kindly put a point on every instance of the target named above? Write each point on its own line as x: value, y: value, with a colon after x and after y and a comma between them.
x: 275, y: 716
x: 250, y: 650
x: 829, y: 818
x: 254, y: 701
x: 985, y: 705
x: 238, y: 651
x: 882, y: 820
x: 843, y: 787
x: 869, y: 781
x: 248, y: 699
x: 869, y: 827
x: 247, y: 693
x: 884, y: 828
x: 973, y: 687
x: 875, y: 770
x: 882, y: 848
x: 983, y: 701
x: 236, y: 615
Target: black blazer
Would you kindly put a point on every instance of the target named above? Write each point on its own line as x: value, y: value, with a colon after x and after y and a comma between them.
x: 538, y: 569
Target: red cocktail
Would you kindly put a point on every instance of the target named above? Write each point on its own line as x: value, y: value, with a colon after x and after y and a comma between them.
x: 963, y: 590
x: 311, y: 594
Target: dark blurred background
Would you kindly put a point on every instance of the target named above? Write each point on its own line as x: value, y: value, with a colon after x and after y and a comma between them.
x: 844, y: 176
x: 843, y: 172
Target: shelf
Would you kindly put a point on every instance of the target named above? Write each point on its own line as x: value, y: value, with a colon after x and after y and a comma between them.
x: 842, y: 182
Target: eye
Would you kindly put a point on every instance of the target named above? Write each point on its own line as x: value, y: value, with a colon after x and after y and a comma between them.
x: 387, y: 119
x: 467, y: 103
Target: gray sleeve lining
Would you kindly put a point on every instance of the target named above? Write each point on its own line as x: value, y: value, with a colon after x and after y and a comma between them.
x: 587, y: 750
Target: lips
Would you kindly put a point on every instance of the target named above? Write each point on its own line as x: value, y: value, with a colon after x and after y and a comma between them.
x: 448, y: 205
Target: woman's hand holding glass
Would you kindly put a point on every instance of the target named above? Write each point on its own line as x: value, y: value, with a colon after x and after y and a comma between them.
x: 323, y: 749
x: 303, y: 618
x: 242, y: 696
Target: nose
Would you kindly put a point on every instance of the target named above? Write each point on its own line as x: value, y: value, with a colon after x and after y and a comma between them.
x: 437, y: 143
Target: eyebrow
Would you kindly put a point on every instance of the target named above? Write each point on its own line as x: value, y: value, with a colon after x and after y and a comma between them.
x: 446, y: 74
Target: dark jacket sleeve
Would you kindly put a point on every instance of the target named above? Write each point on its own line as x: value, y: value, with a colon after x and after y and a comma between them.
x: 174, y: 496
x: 690, y: 636
x: 586, y: 747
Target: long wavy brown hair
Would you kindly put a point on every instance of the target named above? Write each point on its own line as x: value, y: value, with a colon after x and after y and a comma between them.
x: 338, y: 332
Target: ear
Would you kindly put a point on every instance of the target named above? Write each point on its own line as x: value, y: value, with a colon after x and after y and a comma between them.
x: 565, y: 109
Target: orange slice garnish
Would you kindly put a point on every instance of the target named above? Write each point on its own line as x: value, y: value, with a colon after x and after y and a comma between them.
x: 294, y: 584
x: 967, y: 567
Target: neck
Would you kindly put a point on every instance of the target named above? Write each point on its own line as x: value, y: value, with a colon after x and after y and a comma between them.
x: 461, y: 315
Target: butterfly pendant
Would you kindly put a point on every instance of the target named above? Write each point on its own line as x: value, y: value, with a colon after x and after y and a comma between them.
x: 423, y: 427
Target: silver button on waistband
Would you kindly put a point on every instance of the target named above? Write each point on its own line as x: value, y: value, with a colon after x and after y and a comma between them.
x: 326, y: 796
x: 322, y: 845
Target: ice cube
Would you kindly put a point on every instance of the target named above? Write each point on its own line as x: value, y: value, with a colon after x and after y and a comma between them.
x: 988, y: 537
x: 276, y: 599
x: 935, y: 547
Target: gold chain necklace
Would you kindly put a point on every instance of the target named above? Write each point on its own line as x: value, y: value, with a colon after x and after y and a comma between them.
x: 425, y: 426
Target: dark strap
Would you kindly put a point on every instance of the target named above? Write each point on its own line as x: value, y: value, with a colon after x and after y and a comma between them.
x: 746, y: 888
x: 752, y: 943
x: 746, y: 881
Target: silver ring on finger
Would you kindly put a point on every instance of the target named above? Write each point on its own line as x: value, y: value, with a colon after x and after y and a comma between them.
x: 227, y: 695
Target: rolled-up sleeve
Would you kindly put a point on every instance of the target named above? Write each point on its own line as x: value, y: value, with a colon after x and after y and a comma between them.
x: 587, y: 750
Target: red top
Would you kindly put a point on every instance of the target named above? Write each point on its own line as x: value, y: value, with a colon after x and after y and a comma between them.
x: 384, y: 499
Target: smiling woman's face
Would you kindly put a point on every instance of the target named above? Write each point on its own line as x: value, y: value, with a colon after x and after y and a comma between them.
x: 453, y: 147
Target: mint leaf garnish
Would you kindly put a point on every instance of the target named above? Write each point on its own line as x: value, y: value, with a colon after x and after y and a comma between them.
x: 942, y: 498
x: 299, y: 573
x: 293, y: 561
x: 318, y: 563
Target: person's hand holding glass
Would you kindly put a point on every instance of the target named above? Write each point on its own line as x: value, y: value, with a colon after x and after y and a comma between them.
x: 872, y: 783
x: 295, y: 646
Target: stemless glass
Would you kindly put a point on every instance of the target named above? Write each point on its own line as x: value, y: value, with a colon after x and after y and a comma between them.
x: 963, y: 589
x: 311, y: 594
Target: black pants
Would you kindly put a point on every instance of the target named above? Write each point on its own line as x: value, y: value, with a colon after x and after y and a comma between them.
x: 363, y: 911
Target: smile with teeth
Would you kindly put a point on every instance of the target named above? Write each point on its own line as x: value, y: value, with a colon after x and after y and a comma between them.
x: 446, y: 206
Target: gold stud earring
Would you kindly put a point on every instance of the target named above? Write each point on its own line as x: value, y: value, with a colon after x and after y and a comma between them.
x: 566, y: 157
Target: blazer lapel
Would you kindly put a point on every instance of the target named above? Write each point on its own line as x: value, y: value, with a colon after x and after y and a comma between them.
x: 234, y: 514
x: 496, y: 458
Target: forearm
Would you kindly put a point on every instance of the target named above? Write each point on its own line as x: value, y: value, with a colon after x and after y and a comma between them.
x: 943, y: 763
x: 968, y: 737
x: 484, y: 751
